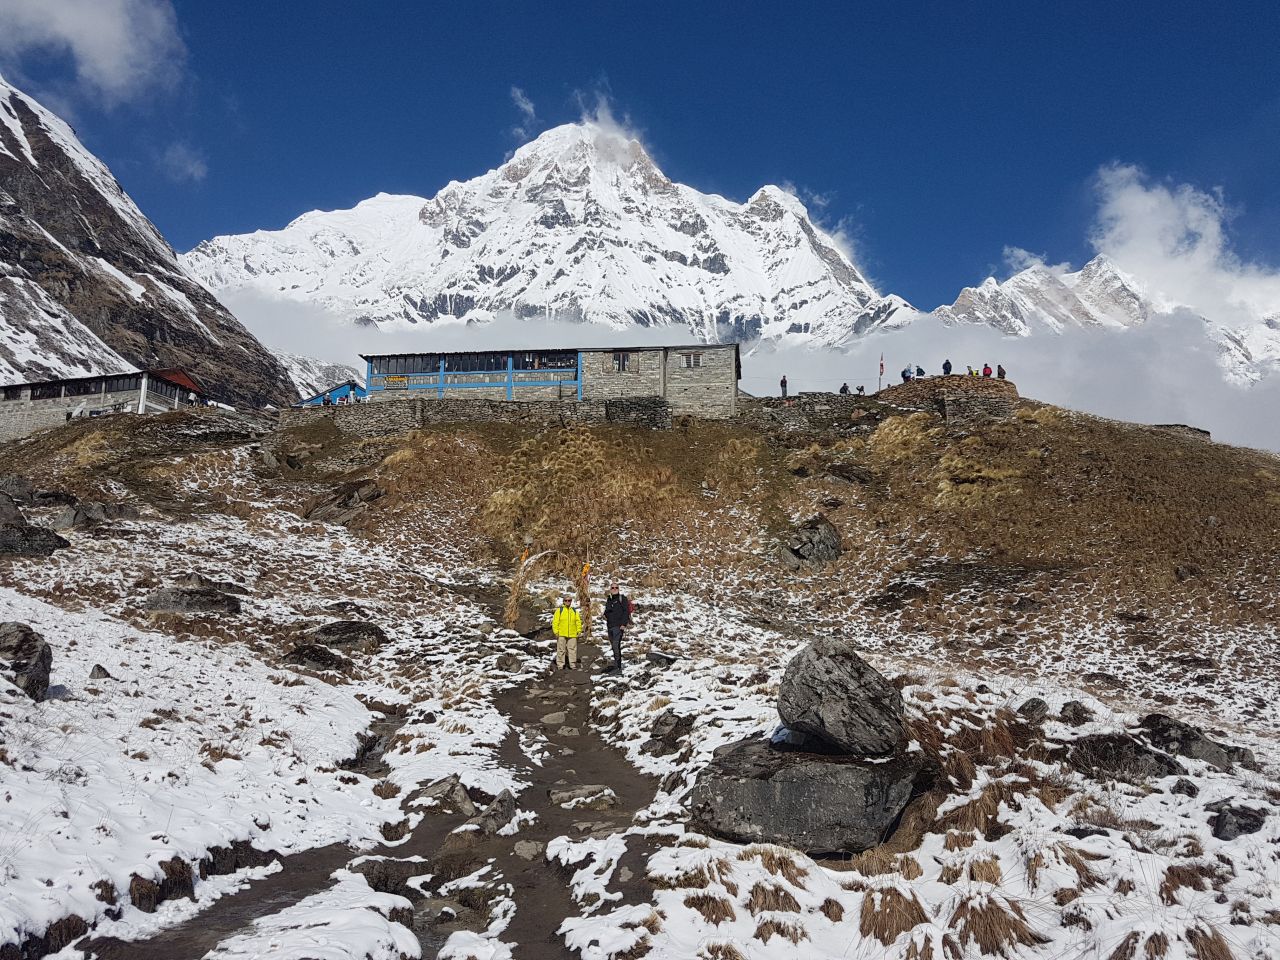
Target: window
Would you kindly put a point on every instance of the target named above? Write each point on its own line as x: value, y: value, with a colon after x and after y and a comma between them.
x: 124, y: 383
x: 84, y: 388
x: 406, y: 364
x: 13, y: 393
x: 474, y: 362
x: 46, y: 391
x: 161, y: 388
x: 691, y: 360
x: 621, y: 362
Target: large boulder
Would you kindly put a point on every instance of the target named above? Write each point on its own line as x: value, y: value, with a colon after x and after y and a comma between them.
x: 19, y: 488
x: 1121, y: 757
x: 349, y: 634
x: 90, y: 513
x: 1232, y: 820
x: 25, y: 659
x: 812, y: 544
x: 9, y: 510
x: 28, y: 540
x: 819, y: 804
x: 191, y: 600
x: 831, y: 692
x: 1184, y: 740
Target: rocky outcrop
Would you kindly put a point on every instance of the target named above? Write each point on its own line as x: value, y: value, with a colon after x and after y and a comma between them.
x: 1232, y: 820
x: 819, y: 804
x: 25, y: 659
x: 88, y: 514
x: 667, y: 733
x: 317, y: 656
x: 349, y: 635
x: 191, y: 600
x: 1183, y: 740
x: 345, y: 504
x: 812, y: 544
x: 829, y: 691
x: 1121, y: 757
x: 835, y: 777
x: 28, y: 540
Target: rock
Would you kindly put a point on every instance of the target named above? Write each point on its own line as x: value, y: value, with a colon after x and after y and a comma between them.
x: 347, y: 609
x: 667, y: 732
x: 497, y: 814
x: 99, y: 672
x: 28, y: 540
x: 589, y: 797
x: 201, y: 582
x: 660, y: 659
x: 449, y: 794
x: 784, y: 738
x: 25, y: 659
x: 389, y: 875
x: 1232, y: 820
x: 1122, y: 757
x: 91, y: 513
x: 191, y: 600
x: 552, y: 719
x: 509, y: 663
x: 1074, y: 713
x: 1184, y: 740
x: 20, y: 489
x: 569, y: 732
x: 1034, y: 710
x: 1187, y: 571
x: 344, y: 505
x: 528, y: 849
x: 317, y: 656
x: 9, y: 511
x: 53, y: 498
x: 353, y: 634
x: 753, y: 793
x: 814, y: 543
x: 1184, y: 787
x: 830, y: 691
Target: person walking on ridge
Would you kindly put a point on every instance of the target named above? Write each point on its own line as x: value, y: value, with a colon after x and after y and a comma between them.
x: 946, y: 368
x: 566, y: 624
x: 617, y: 617
x: 783, y: 384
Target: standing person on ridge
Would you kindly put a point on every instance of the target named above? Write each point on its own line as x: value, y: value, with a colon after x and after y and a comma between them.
x: 566, y: 624
x: 783, y: 384
x: 946, y: 368
x: 617, y: 617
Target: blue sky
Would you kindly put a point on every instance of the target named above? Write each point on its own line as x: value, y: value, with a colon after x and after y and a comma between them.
x: 937, y: 134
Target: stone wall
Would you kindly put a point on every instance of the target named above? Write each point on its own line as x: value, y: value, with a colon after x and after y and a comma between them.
x: 397, y: 416
x: 642, y: 378
x: 806, y: 411
x: 959, y: 399
x: 708, y: 390
x: 21, y: 418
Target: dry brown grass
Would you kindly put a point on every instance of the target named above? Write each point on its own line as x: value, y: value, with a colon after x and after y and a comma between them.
x: 699, y: 878
x: 766, y: 897
x: 1077, y: 860
x: 715, y: 910
x: 386, y: 789
x: 995, y: 924
x: 1209, y: 944
x: 722, y: 950
x: 779, y: 861
x: 833, y: 910
x: 888, y: 913
x: 959, y: 840
x: 980, y: 815
x: 1179, y: 875
x: 787, y: 929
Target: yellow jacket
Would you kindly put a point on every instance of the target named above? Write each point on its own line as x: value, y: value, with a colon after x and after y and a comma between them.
x: 566, y: 622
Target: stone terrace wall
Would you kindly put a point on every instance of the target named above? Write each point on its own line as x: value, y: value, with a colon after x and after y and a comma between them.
x: 387, y: 417
x: 959, y: 399
x: 805, y: 411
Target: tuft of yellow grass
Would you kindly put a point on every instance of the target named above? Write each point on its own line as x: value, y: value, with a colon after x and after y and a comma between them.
x: 766, y: 897
x: 715, y: 910
x: 888, y: 913
x: 787, y: 929
x: 996, y: 924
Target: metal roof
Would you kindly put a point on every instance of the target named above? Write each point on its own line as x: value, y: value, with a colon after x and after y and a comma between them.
x: 619, y: 349
x: 171, y: 375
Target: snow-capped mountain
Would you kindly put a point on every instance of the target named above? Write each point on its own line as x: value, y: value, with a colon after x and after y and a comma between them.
x: 311, y: 375
x: 87, y: 283
x: 1042, y: 299
x: 579, y: 224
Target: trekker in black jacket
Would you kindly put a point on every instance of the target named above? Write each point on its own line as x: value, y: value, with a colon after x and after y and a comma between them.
x: 617, y: 617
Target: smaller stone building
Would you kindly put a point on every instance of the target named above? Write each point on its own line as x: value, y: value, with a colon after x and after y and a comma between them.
x: 28, y: 407
x: 698, y: 379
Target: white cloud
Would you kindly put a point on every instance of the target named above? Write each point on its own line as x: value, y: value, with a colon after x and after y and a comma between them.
x: 1017, y: 259
x: 183, y: 163
x: 120, y: 49
x: 525, y: 129
x: 1174, y: 239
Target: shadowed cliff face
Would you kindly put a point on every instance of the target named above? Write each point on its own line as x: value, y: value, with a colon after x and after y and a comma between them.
x: 88, y: 285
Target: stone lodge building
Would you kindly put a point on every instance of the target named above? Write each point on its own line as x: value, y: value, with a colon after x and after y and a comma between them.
x: 28, y: 407
x: 700, y: 379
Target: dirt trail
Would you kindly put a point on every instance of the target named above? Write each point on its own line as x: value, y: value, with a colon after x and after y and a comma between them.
x: 574, y: 756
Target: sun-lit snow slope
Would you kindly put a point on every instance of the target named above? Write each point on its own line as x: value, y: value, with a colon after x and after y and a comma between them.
x: 1044, y: 299
x: 578, y: 224
x: 87, y: 283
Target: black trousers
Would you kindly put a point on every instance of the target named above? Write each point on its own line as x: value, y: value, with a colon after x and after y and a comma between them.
x: 615, y: 641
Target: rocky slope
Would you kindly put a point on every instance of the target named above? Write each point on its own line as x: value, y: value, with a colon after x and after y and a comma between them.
x: 579, y: 224
x: 311, y: 375
x: 88, y: 285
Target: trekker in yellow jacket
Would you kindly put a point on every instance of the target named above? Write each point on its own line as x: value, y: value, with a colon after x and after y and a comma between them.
x: 566, y: 625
